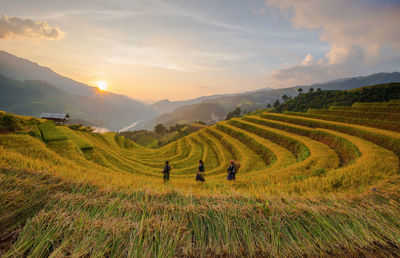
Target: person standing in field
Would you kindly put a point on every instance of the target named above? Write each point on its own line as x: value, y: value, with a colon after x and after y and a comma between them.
x: 200, y: 172
x: 166, y: 171
x: 231, y: 171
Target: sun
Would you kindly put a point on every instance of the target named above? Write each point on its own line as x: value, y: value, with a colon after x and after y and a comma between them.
x: 102, y: 85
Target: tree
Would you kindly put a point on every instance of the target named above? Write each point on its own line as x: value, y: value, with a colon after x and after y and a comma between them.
x: 268, y: 105
x: 160, y: 129
x: 300, y: 90
x: 319, y: 90
x: 285, y: 98
x: 177, y: 127
x: 277, y: 103
x: 311, y: 90
x: 234, y: 113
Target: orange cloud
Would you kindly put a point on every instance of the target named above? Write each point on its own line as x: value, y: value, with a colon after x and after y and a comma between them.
x: 17, y: 27
x: 358, y: 31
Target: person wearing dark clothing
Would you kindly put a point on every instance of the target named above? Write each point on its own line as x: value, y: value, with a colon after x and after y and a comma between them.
x: 200, y: 172
x: 231, y: 171
x: 166, y: 171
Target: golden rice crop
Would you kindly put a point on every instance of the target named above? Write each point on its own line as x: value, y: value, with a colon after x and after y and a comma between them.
x: 366, y: 108
x: 345, y: 150
x: 386, y: 116
x: 388, y: 125
x: 376, y: 104
x: 307, y: 186
x: 384, y: 138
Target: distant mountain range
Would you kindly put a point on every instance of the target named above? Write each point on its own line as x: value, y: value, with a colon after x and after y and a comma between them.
x: 27, y: 88
x: 250, y: 101
x: 208, y: 112
x: 166, y: 106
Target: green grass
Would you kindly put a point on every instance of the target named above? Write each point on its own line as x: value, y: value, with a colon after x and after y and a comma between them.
x: 50, y: 132
x: 366, y: 109
x: 76, y: 139
x: 123, y: 142
x: 147, y: 141
x: 394, y: 117
x: 378, y: 104
x: 388, y: 125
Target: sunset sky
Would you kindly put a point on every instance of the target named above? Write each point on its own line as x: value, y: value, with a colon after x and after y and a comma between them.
x: 179, y: 49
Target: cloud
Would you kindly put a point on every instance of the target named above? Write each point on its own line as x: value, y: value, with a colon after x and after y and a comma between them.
x: 360, y: 33
x: 173, y: 58
x: 260, y: 11
x: 17, y: 27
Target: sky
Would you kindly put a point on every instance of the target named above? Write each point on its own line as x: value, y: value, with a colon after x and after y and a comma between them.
x: 180, y: 49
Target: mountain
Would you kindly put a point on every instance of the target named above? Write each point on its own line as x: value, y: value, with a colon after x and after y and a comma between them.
x: 103, y: 109
x: 34, y: 97
x: 251, y: 101
x: 214, y: 110
x: 206, y: 112
x: 22, y: 69
x: 37, y: 86
x: 356, y: 82
x: 167, y: 106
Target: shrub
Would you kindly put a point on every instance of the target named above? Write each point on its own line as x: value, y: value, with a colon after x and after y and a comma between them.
x: 9, y: 123
x: 75, y: 126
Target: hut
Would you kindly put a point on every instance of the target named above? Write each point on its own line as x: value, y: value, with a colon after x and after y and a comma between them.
x: 60, y: 118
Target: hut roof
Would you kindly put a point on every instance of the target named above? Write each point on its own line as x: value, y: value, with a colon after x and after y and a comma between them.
x: 54, y: 115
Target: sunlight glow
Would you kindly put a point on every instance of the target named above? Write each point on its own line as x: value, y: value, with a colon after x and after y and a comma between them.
x: 102, y: 85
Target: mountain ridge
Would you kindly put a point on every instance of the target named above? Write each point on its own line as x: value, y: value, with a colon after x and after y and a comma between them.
x: 21, y: 69
x: 258, y: 99
x: 122, y: 111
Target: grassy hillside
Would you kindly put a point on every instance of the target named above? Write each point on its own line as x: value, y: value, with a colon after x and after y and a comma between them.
x: 309, y: 184
x: 151, y: 139
x: 323, y: 99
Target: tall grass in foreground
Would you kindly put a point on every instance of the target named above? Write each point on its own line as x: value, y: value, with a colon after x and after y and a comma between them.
x: 81, y: 220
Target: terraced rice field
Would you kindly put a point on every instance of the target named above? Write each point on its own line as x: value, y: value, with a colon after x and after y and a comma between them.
x: 325, y: 182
